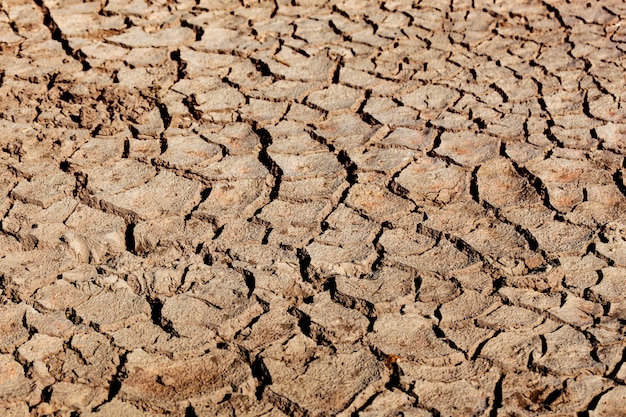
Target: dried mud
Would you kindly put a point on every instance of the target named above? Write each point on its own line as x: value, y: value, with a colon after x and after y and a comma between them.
x: 312, y: 208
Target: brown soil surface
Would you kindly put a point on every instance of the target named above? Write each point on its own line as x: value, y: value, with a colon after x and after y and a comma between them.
x: 312, y: 208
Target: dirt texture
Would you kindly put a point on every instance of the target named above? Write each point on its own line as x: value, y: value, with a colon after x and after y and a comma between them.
x: 312, y: 208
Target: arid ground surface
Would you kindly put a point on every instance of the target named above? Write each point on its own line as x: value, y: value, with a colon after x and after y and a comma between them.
x: 309, y: 208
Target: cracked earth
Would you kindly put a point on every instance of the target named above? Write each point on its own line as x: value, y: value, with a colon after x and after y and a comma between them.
x: 312, y: 208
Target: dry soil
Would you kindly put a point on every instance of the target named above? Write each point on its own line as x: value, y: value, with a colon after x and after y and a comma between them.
x: 312, y: 208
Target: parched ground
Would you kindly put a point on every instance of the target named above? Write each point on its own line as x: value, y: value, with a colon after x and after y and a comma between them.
x: 312, y: 208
